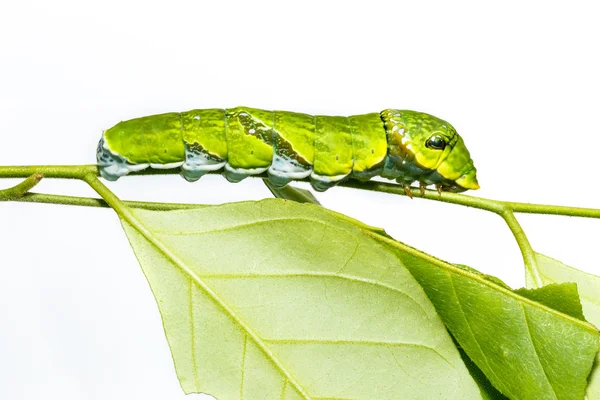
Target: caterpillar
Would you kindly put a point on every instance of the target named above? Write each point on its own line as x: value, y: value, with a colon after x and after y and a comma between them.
x: 403, y: 145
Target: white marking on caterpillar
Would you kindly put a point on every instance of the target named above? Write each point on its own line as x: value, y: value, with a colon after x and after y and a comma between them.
x: 197, y: 118
x: 167, y: 166
x: 113, y: 165
x: 238, y: 174
x: 247, y: 171
x: 285, y: 168
x: 198, y: 163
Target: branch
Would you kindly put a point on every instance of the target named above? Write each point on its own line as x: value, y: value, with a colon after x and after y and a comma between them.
x: 18, y: 191
x: 505, y: 209
x: 496, y: 206
x: 95, y: 202
x: 526, y: 250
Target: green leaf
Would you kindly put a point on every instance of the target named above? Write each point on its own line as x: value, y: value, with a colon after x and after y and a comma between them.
x: 553, y: 271
x: 490, y: 278
x: 488, y: 391
x: 562, y: 297
x: 526, y: 349
x: 280, y: 300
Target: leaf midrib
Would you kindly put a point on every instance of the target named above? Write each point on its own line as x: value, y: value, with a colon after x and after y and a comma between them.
x: 537, y: 356
x: 449, y: 267
x: 462, y: 313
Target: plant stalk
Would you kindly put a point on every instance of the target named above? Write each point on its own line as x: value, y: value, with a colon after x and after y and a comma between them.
x: 20, y: 190
x: 89, y: 174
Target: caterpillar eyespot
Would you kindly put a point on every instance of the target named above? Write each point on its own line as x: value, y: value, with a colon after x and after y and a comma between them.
x: 395, y: 144
x: 436, y: 142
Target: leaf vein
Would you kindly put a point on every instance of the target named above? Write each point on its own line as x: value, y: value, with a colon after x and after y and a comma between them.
x: 193, y: 337
x: 283, y: 389
x: 331, y: 275
x: 462, y: 312
x: 245, y: 225
x: 535, y: 350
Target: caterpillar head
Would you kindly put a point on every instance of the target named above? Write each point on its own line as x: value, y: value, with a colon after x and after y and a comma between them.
x: 429, y: 150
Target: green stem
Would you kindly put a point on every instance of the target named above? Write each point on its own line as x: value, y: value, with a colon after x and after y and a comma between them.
x: 109, y: 197
x: 526, y: 250
x: 496, y: 206
x: 18, y: 191
x: 505, y: 209
x: 92, y: 202
x: 49, y: 171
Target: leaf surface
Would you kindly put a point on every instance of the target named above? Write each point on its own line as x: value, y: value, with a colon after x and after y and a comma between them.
x: 279, y: 300
x: 488, y: 391
x: 526, y: 349
x: 553, y: 271
x: 563, y: 297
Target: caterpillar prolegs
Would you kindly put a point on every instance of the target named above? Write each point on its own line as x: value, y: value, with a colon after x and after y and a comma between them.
x: 404, y: 145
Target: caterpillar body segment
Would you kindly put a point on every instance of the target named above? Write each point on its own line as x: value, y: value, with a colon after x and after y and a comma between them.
x: 404, y: 145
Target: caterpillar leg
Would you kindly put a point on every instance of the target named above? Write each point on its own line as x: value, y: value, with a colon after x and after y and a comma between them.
x: 321, y: 183
x: 284, y: 169
x: 235, y: 175
x: 198, y: 163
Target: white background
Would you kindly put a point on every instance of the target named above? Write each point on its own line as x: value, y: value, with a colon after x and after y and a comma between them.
x: 519, y: 80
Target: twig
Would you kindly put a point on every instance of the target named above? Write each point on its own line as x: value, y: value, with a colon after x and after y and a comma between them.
x: 18, y: 191
x: 505, y: 209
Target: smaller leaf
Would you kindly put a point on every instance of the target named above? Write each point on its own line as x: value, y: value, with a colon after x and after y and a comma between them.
x: 526, y: 349
x: 562, y: 297
x: 553, y: 271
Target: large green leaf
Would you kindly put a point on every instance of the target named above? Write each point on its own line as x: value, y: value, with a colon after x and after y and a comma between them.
x: 526, y: 349
x: 553, y: 271
x: 279, y: 300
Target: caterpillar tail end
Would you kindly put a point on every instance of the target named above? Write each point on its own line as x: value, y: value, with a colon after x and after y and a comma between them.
x: 112, y: 166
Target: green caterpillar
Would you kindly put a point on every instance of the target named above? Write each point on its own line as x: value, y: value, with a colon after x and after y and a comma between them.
x: 404, y: 145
